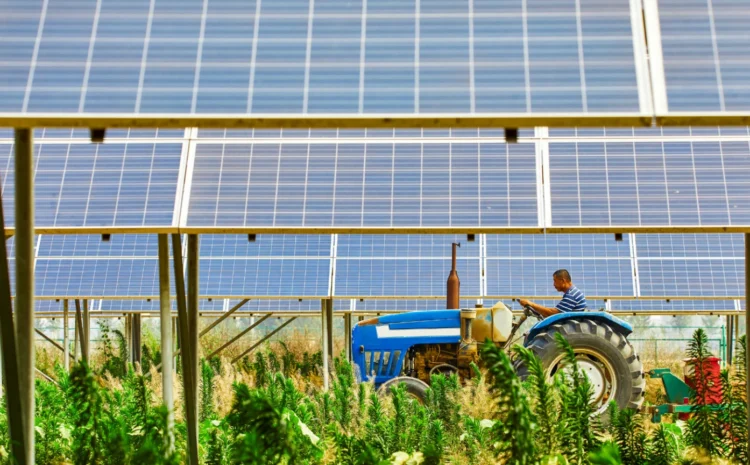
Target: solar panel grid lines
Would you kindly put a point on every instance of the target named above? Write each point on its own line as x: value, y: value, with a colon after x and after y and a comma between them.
x: 402, y: 185
x: 705, y: 55
x: 667, y: 183
x: 420, y: 57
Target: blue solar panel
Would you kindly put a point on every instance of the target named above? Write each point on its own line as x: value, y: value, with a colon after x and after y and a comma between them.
x: 673, y: 305
x: 99, y: 185
x: 360, y: 185
x: 690, y: 245
x: 265, y: 276
x: 349, y: 57
x: 87, y: 246
x: 97, y: 277
x: 557, y: 245
x: 404, y: 246
x: 216, y: 245
x: 695, y: 278
x: 533, y: 276
x: 403, y: 277
x: 650, y: 183
x: 706, y: 58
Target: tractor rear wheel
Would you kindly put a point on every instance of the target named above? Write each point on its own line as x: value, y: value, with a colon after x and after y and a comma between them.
x: 605, y: 356
x: 415, y: 388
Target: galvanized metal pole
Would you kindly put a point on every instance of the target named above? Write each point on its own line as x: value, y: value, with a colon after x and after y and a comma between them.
x: 17, y: 426
x: 24, y: 318
x: 329, y: 325
x: 730, y: 340
x: 191, y: 398
x: 324, y: 340
x: 348, y: 336
x: 86, y: 331
x: 747, y: 326
x: 66, y: 341
x: 192, y: 307
x: 167, y: 346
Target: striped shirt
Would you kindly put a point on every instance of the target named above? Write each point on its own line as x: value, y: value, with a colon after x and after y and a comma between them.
x: 572, y: 301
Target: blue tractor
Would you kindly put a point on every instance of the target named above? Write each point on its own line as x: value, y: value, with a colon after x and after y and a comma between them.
x: 410, y: 347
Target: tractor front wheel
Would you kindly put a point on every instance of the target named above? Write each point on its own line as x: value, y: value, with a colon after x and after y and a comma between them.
x: 605, y: 356
x: 415, y: 388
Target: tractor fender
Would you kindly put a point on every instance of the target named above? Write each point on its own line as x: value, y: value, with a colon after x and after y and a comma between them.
x: 618, y: 325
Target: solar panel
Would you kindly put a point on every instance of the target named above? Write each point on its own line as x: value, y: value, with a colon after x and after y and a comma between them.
x: 265, y: 276
x: 99, y: 185
x: 703, y: 277
x: 404, y: 265
x: 533, y: 276
x: 96, y: 277
x: 363, y: 185
x: 344, y: 57
x: 649, y: 183
x: 729, y: 246
x: 705, y: 55
x: 557, y: 245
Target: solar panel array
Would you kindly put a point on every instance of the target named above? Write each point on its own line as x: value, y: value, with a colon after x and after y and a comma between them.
x: 384, y: 57
x: 334, y: 57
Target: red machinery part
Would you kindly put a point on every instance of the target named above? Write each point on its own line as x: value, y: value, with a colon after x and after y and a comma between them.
x: 712, y: 391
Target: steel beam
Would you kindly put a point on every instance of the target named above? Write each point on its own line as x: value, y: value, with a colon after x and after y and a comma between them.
x: 66, y: 337
x: 235, y: 338
x: 167, y: 347
x: 268, y: 336
x: 24, y: 223
x: 12, y: 363
x: 223, y: 317
x: 66, y: 354
x: 730, y: 339
x: 191, y: 398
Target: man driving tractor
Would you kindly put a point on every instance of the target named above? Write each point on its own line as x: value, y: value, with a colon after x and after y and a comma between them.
x: 573, y: 299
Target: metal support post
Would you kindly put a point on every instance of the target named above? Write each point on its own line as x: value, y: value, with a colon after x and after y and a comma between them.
x: 348, y: 336
x: 188, y: 378
x: 329, y: 325
x: 192, y: 308
x: 730, y: 340
x: 128, y: 332
x: 86, y: 330
x: 175, y: 341
x: 135, y: 326
x: 24, y: 318
x: 14, y: 366
x: 81, y: 332
x: 66, y: 342
x: 268, y: 336
x: 325, y: 329
x: 165, y: 308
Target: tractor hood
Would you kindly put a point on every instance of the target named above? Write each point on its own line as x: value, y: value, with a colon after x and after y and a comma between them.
x: 427, y: 327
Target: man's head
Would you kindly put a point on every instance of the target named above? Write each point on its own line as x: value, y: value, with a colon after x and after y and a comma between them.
x: 562, y: 281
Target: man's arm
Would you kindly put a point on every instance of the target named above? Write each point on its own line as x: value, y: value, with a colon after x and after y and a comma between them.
x: 541, y: 309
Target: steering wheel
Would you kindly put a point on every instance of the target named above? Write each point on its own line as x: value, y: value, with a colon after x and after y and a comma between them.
x: 529, y: 311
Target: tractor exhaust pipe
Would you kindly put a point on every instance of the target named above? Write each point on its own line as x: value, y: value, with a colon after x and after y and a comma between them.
x: 454, y: 284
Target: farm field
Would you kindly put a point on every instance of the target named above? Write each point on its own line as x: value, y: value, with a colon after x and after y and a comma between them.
x: 270, y: 408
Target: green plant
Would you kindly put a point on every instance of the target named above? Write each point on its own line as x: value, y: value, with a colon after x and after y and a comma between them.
x: 630, y: 437
x: 115, y: 358
x: 206, y: 391
x: 662, y: 447
x: 705, y: 430
x: 515, y: 431
x: 543, y: 400
x: 86, y: 403
x: 575, y: 426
